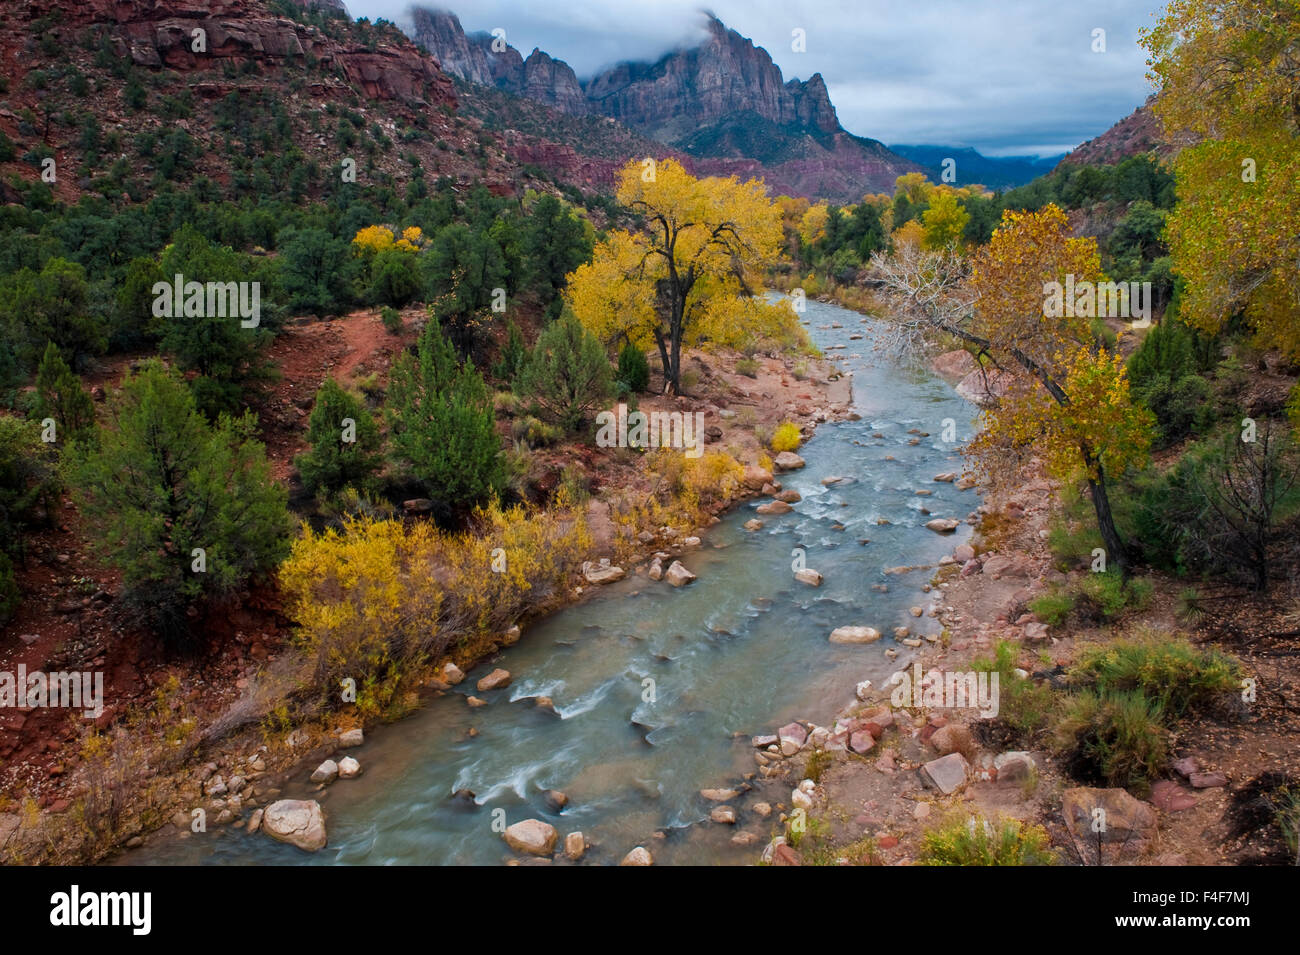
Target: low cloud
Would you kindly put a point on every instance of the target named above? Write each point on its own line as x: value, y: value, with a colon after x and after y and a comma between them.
x: 1004, y: 76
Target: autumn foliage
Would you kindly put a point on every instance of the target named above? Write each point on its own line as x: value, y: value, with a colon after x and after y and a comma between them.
x: 378, y: 598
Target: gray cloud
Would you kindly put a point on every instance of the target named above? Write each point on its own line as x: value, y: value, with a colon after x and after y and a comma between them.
x: 1004, y: 76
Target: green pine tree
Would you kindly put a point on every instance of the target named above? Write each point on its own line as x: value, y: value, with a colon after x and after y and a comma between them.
x: 183, y: 508
x: 59, y: 395
x: 567, y: 375
x: 345, y: 443
x: 442, y: 425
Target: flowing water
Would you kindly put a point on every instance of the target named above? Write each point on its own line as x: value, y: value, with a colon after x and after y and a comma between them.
x: 741, y: 651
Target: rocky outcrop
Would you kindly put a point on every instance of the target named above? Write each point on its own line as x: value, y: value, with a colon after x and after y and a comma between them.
x: 488, y: 61
x: 724, y: 103
x: 158, y: 33
x: 554, y: 83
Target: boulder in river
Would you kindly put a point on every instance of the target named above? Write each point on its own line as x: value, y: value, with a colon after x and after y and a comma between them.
x: 638, y: 856
x: 575, y: 844
x: 496, y: 680
x: 677, y: 575
x: 788, y: 461
x: 349, y: 768
x: 808, y: 576
x: 723, y: 814
x: 602, y: 573
x: 773, y: 507
x: 788, y: 496
x: 452, y: 674
x: 532, y: 836
x: 326, y: 772
x: 943, y: 525
x: 299, y: 822
x: 352, y: 737
x: 855, y: 635
x: 753, y: 524
x: 755, y: 477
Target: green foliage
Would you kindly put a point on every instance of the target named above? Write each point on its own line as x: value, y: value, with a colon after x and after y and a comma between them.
x: 10, y: 596
x: 160, y: 482
x: 567, y: 376
x: 394, y: 278
x: 1116, y: 738
x: 441, y: 423
x: 974, y: 841
x: 513, y: 354
x: 392, y: 319
x: 226, y: 355
x: 1024, y: 707
x: 345, y: 443
x: 633, y: 369
x: 462, y: 269
x: 133, y: 321
x: 1053, y: 608
x: 28, y: 482
x: 52, y: 305
x: 316, y: 271
x: 747, y: 367
x: 1167, y: 670
x: 59, y: 395
x: 535, y: 433
x: 554, y: 243
x: 1167, y: 373
x: 1106, y: 596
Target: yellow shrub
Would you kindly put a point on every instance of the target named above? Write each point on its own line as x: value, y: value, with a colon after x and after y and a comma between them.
x: 379, y: 597
x: 786, y: 438
x: 374, y: 238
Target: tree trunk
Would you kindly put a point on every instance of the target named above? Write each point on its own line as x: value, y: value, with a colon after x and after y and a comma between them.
x: 1115, y: 552
x: 664, y: 360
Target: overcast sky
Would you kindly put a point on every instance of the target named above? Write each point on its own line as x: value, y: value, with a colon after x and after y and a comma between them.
x: 1008, y: 77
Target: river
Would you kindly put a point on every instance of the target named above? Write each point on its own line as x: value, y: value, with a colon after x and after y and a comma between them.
x: 741, y: 651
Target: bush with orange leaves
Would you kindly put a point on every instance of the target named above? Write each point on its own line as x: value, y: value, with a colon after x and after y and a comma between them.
x: 380, y: 599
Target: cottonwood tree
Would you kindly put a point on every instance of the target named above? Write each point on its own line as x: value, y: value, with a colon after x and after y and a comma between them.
x: 1227, y: 71
x: 685, y: 276
x: 1070, y: 403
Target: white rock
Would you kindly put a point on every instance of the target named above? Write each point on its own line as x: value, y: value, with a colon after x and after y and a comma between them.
x: 677, y: 575
x: 532, y: 836
x: 349, y: 768
x: 326, y: 772
x: 854, y: 635
x: 808, y: 576
x: 298, y: 822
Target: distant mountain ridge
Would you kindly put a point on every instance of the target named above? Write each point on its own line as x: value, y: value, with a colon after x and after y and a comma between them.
x: 1005, y: 172
x: 723, y: 102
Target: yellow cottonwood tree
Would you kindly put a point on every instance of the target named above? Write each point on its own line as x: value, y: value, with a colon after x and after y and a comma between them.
x: 701, y: 241
x: 1071, y: 404
x: 1229, y: 72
